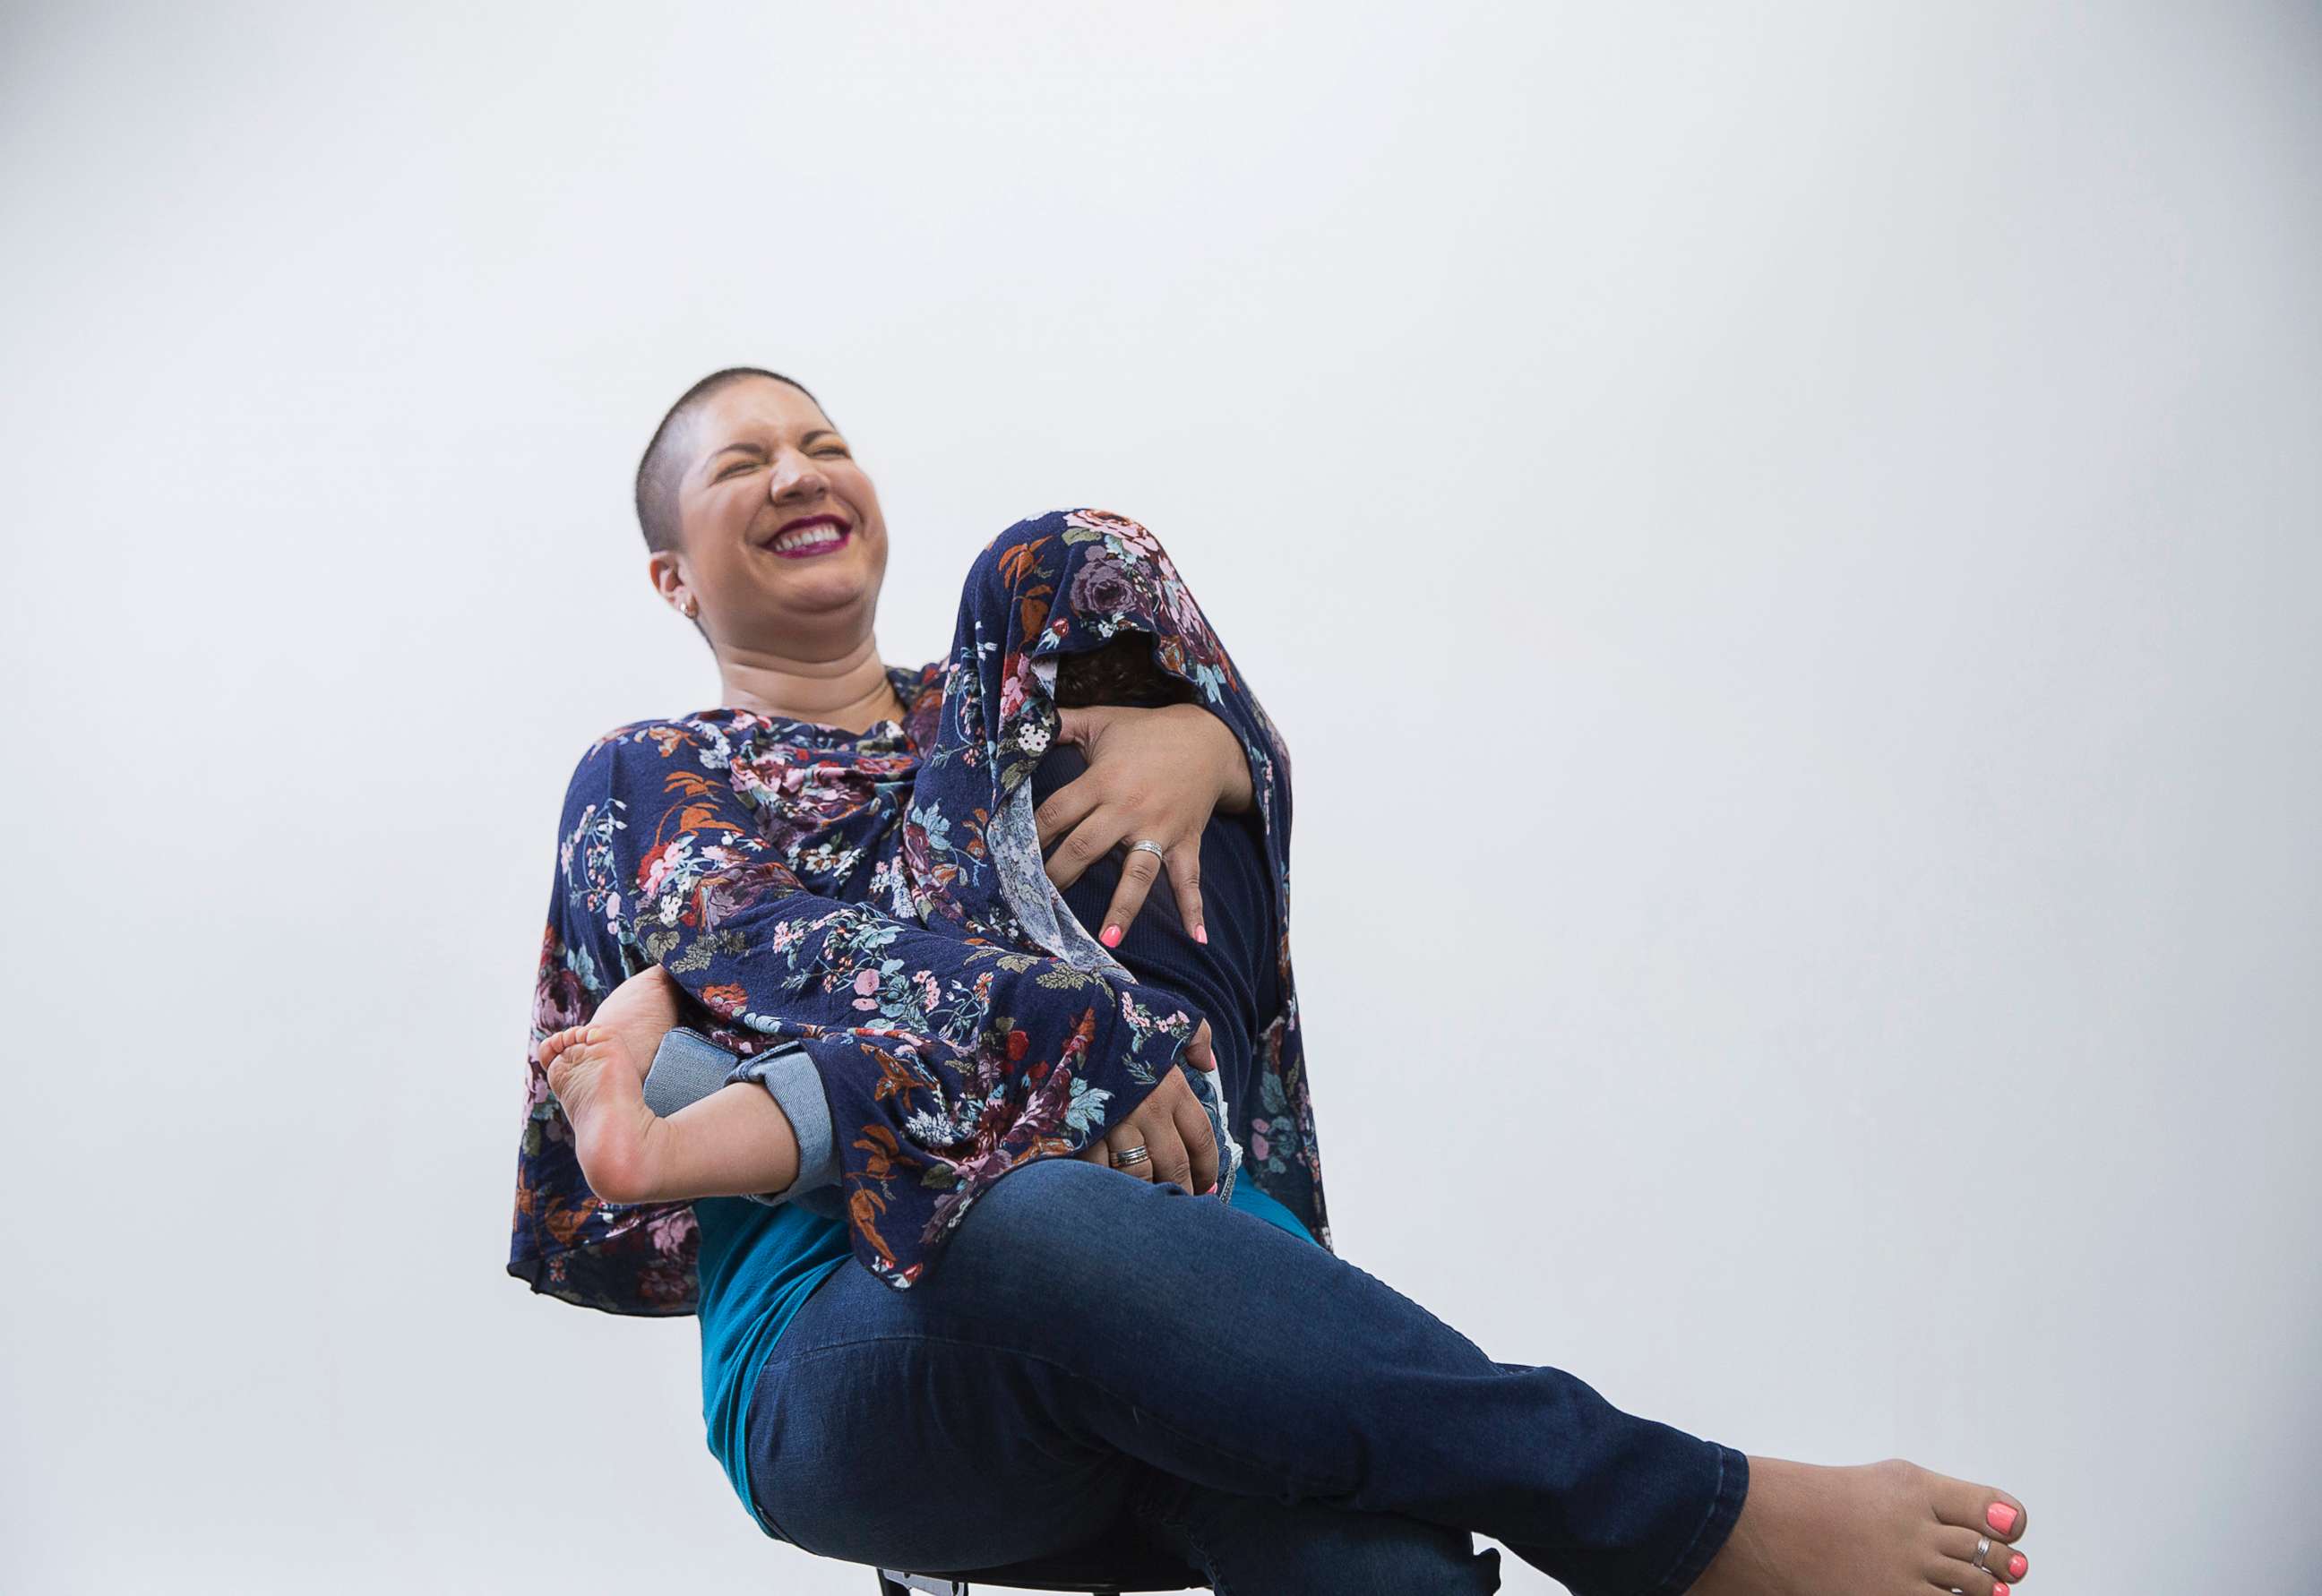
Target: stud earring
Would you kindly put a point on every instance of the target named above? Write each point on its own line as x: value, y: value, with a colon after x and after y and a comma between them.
x: 691, y: 608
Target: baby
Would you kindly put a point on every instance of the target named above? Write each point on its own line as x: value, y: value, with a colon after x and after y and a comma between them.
x: 653, y: 1122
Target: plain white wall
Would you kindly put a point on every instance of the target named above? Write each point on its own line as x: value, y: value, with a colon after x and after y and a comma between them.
x: 1784, y: 545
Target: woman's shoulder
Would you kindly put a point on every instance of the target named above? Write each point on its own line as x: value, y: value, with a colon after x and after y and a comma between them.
x: 706, y: 740
x: 720, y: 721
x: 715, y: 727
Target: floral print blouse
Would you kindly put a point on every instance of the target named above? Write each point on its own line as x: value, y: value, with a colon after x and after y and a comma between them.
x: 879, y: 899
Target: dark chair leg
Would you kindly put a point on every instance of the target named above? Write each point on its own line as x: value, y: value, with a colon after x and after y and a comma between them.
x: 895, y: 1583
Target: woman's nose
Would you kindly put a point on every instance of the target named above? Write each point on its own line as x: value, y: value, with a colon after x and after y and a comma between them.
x: 794, y: 475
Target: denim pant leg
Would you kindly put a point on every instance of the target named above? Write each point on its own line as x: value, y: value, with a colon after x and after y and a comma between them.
x: 1251, y: 1546
x: 1085, y: 1314
x: 890, y: 1442
x: 887, y: 1441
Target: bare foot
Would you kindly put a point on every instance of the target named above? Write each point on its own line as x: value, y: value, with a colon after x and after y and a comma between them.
x: 1889, y: 1528
x: 598, y: 1072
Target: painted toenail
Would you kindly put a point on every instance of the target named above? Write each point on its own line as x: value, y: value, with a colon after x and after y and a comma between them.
x: 2017, y: 1566
x: 1997, y: 1589
x: 2000, y: 1517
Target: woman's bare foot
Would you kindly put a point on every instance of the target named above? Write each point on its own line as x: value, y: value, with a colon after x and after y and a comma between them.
x: 1889, y: 1528
x: 598, y: 1072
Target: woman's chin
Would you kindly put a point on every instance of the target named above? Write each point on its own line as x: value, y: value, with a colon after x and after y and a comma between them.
x: 818, y: 593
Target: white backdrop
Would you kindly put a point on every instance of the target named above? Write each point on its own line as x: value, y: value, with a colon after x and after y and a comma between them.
x: 1784, y: 546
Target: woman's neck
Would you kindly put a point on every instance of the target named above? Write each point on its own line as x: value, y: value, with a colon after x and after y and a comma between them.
x: 851, y: 693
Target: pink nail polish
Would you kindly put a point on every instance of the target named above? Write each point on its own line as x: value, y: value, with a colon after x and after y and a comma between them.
x: 2000, y: 1517
x: 1111, y: 936
x: 1202, y: 933
x: 1997, y: 1589
x: 2017, y: 1566
x: 1208, y: 1190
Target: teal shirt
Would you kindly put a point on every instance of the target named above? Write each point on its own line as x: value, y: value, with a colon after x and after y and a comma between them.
x: 758, y: 1262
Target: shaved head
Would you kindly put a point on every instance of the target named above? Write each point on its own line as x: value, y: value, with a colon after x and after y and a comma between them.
x: 666, y: 456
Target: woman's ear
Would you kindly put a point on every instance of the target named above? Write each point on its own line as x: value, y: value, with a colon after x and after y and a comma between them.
x: 666, y: 569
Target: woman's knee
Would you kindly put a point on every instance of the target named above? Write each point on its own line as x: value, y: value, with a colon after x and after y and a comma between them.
x: 1048, y: 1233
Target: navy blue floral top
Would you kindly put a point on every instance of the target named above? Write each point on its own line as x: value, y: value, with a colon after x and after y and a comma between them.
x: 880, y: 899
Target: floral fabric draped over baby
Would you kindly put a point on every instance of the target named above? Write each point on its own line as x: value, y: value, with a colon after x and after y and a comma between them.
x: 878, y: 899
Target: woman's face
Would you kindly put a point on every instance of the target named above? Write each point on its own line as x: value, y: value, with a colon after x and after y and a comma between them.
x: 764, y: 465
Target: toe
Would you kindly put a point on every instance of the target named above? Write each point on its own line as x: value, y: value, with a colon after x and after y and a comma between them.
x: 1968, y: 1581
x: 2001, y: 1562
x: 1982, y: 1509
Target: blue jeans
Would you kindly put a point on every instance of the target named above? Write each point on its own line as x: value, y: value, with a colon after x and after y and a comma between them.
x: 1101, y: 1354
x: 1104, y: 1355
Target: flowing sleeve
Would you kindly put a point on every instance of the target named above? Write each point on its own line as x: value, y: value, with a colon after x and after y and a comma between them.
x: 944, y: 1057
x: 1083, y: 606
x: 635, y: 1259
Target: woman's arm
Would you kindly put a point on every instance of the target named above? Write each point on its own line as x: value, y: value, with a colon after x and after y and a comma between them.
x: 658, y: 842
x: 714, y: 1133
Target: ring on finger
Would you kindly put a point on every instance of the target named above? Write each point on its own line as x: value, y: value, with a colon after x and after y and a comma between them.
x: 1121, y: 1160
x: 1152, y: 847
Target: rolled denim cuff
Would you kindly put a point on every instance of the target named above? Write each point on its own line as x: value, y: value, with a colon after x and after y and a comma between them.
x: 688, y: 1067
x: 789, y: 1072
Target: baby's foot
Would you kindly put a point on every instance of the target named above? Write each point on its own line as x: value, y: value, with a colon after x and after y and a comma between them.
x: 598, y: 1072
x: 1889, y: 1529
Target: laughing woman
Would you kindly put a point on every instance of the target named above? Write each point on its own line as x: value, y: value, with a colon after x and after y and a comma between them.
x: 1094, y: 1301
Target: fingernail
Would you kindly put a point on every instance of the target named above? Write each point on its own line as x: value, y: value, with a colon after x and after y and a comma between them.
x: 1207, y: 1190
x: 2000, y: 1517
x: 1111, y: 938
x: 2017, y: 1566
x: 1201, y: 934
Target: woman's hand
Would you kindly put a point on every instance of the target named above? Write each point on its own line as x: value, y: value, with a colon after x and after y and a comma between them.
x: 1153, y: 773
x: 1172, y: 1127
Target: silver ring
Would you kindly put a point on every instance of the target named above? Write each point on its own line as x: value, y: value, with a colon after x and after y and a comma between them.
x: 1134, y: 1156
x: 1982, y: 1550
x: 1151, y: 847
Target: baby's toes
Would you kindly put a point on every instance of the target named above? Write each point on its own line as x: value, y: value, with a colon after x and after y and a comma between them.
x: 578, y: 1060
x: 1981, y: 1508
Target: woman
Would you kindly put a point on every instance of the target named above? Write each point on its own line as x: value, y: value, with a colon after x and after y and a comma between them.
x: 1021, y: 1365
